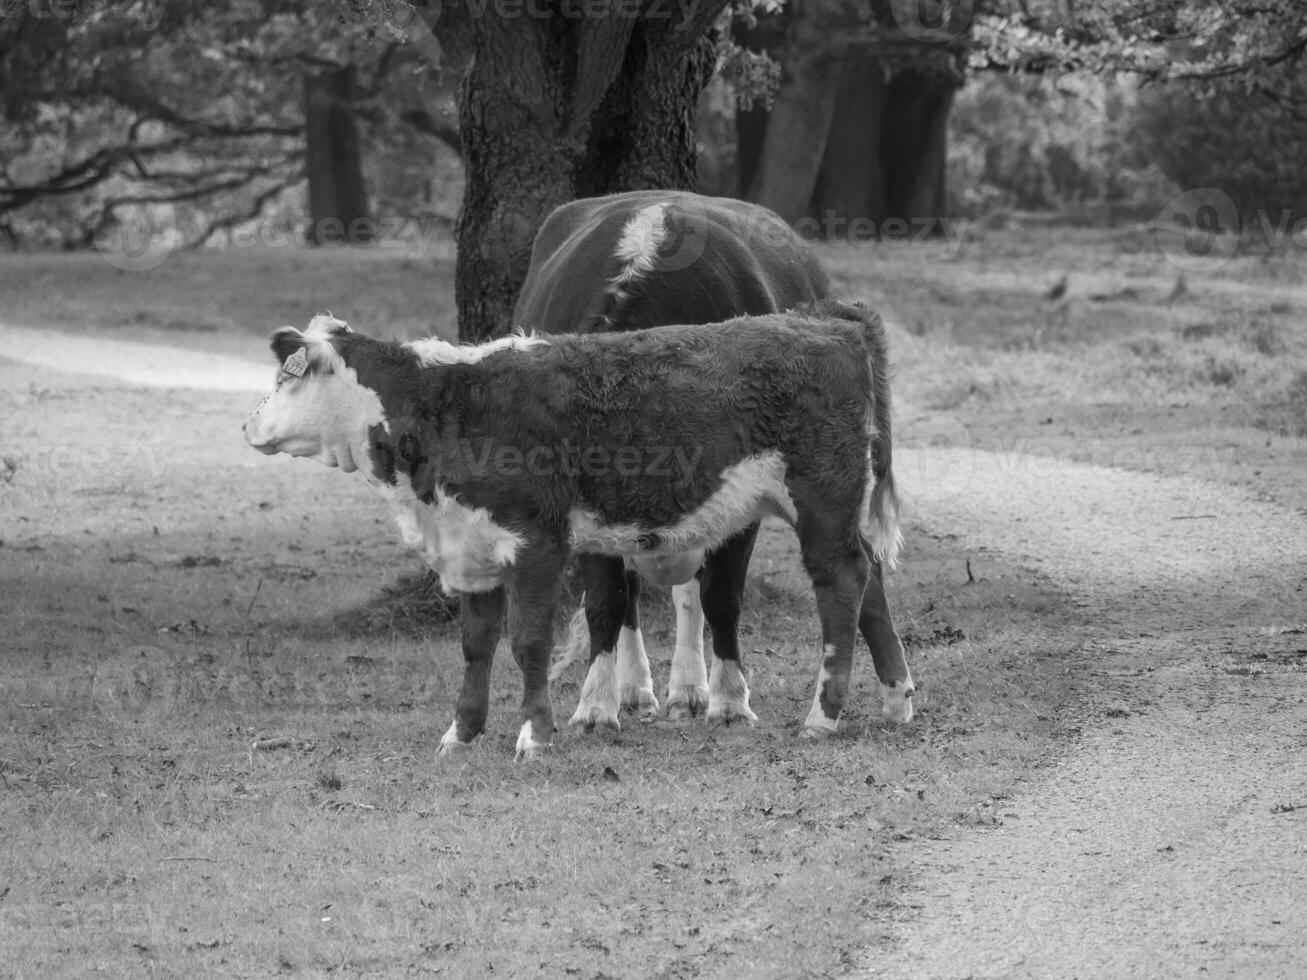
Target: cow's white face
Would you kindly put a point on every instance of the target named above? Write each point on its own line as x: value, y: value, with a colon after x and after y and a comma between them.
x: 318, y: 410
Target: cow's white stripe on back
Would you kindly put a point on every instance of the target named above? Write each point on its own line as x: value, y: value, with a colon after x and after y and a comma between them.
x: 751, y: 489
x: 434, y: 351
x: 637, y: 249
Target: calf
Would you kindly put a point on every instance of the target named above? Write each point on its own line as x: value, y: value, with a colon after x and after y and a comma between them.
x: 648, y: 259
x: 503, y: 459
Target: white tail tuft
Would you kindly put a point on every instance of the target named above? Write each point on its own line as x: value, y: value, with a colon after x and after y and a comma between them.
x: 577, y: 645
x: 882, y: 529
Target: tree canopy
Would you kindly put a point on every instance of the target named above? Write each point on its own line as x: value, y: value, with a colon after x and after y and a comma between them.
x: 129, y: 102
x: 1254, y: 44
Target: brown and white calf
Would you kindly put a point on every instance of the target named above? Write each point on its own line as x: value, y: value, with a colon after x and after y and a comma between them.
x: 505, y: 458
x: 648, y: 259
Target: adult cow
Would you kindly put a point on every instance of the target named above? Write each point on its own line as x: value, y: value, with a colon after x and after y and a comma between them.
x: 648, y: 259
x: 504, y: 458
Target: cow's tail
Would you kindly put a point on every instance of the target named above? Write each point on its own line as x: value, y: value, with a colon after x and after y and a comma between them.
x: 575, y: 647
x: 881, y: 520
x: 883, y: 513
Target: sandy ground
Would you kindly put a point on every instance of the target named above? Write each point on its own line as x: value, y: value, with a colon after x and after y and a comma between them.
x: 1169, y: 839
x: 151, y: 365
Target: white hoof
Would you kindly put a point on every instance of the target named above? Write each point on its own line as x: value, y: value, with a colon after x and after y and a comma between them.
x: 687, y: 701
x: 451, y: 744
x: 728, y: 694
x: 600, y: 701
x: 817, y: 725
x: 640, y: 700
x: 731, y: 713
x: 896, y: 703
x: 634, y: 681
x: 527, y: 747
x: 592, y: 715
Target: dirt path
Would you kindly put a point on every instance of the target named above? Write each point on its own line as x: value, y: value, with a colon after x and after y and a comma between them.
x: 151, y: 365
x: 1165, y: 842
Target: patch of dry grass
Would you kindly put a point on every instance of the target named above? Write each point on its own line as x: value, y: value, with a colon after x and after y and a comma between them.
x: 149, y: 834
x: 146, y: 832
x: 168, y: 609
x: 221, y: 300
x: 1135, y: 366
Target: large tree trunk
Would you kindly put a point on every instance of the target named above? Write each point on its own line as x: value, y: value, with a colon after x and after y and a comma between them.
x: 914, y: 135
x: 850, y: 141
x: 559, y: 108
x: 519, y: 163
x: 333, y: 160
x: 851, y: 184
x: 643, y: 135
x: 798, y: 124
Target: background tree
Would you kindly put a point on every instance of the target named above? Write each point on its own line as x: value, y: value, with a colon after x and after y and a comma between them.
x: 136, y: 104
x: 584, y: 100
x: 866, y: 88
x: 334, y: 158
x: 115, y: 107
x: 204, y: 111
x: 1203, y: 141
x: 868, y: 84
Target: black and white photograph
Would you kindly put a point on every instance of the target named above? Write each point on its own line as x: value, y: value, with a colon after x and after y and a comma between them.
x: 681, y: 489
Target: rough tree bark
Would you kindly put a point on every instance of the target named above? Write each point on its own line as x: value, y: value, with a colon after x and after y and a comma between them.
x: 333, y: 160
x: 557, y: 107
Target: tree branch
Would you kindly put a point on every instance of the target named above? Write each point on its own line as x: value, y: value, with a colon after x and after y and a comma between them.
x: 255, y: 210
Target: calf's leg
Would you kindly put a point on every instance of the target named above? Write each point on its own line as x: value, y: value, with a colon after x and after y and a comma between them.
x: 886, y: 650
x: 722, y: 594
x: 839, y: 570
x: 533, y: 593
x: 607, y: 600
x: 482, y: 617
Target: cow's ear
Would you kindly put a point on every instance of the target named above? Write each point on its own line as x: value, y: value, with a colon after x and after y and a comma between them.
x: 286, y: 341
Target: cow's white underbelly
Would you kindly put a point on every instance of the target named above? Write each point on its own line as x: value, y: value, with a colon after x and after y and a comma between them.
x: 750, y: 490
x: 668, y: 569
x: 468, y: 550
x: 472, y: 553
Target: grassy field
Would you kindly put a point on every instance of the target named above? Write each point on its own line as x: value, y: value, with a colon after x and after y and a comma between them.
x: 210, y: 768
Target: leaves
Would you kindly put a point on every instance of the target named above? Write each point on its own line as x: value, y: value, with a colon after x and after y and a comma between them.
x: 1239, y: 42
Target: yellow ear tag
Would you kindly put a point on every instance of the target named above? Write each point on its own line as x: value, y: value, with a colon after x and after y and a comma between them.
x: 296, y: 364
